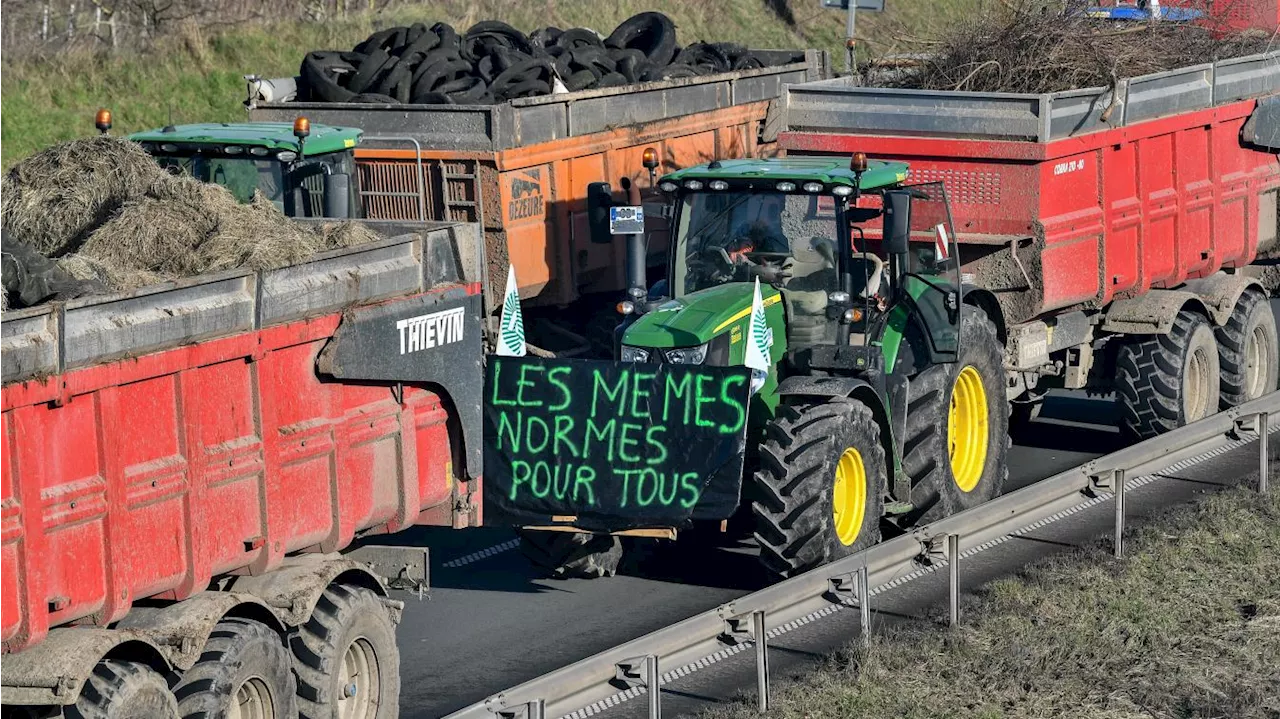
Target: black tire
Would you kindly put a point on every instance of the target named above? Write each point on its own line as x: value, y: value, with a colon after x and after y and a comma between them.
x: 124, y: 690
x: 349, y: 629
x: 242, y: 661
x: 572, y: 555
x: 927, y: 458
x: 794, y: 488
x: 1166, y: 381
x: 1248, y: 351
x: 652, y: 33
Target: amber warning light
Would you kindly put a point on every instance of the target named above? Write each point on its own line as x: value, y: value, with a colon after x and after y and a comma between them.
x: 858, y: 163
x: 301, y: 127
x: 103, y: 120
x: 650, y: 158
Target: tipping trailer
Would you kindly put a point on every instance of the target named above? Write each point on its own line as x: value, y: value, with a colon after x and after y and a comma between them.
x: 1122, y: 240
x: 521, y: 169
x: 186, y: 466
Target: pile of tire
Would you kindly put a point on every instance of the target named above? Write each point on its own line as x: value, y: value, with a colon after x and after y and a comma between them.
x: 494, y: 62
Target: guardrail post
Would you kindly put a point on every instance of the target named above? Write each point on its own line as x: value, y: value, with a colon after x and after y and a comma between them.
x: 653, y: 679
x: 537, y: 709
x: 1264, y: 421
x: 864, y: 605
x: 762, y: 660
x: 1118, y: 487
x: 953, y: 569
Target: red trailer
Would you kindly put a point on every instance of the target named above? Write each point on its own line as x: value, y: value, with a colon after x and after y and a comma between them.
x: 183, y: 465
x: 1110, y: 234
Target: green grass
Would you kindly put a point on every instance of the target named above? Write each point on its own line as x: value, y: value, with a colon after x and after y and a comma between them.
x: 1189, y: 626
x: 197, y: 77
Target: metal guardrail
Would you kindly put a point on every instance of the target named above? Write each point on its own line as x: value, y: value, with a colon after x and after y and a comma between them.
x: 851, y: 581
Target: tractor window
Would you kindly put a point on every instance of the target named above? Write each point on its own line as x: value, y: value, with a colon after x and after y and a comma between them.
x: 306, y: 177
x: 933, y: 276
x: 240, y: 175
x: 786, y: 240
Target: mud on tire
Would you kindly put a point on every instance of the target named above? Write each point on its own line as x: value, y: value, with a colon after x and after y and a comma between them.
x: 124, y: 690
x: 1165, y: 381
x: 926, y: 454
x: 572, y: 555
x: 1248, y: 351
x: 242, y: 661
x: 349, y: 643
x: 794, y: 488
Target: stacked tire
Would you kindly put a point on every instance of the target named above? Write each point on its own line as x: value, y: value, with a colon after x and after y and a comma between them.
x: 494, y: 62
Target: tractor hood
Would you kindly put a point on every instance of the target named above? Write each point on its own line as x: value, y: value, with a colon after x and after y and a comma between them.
x: 697, y: 318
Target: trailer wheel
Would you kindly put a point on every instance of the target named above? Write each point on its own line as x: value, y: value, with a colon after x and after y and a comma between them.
x: 820, y: 487
x: 1248, y: 351
x: 243, y: 671
x: 124, y: 690
x: 957, y: 440
x: 572, y: 555
x: 1166, y: 381
x: 346, y: 658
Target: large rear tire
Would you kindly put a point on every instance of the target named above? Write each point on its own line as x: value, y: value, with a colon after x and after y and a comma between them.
x: 124, y: 690
x: 956, y: 448
x: 1248, y: 351
x: 1166, y: 381
x: 572, y: 555
x: 243, y: 671
x: 346, y: 658
x: 820, y: 487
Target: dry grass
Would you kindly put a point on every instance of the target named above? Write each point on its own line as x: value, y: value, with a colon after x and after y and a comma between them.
x: 1189, y: 626
x: 1022, y: 46
x: 110, y: 213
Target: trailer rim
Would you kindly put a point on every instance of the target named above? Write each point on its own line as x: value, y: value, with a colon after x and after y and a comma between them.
x: 252, y: 700
x: 361, y: 681
x: 1256, y: 373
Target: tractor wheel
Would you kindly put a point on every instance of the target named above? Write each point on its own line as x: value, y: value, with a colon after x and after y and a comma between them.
x: 820, y: 488
x: 346, y: 658
x: 243, y: 671
x: 124, y: 690
x: 957, y: 439
x: 572, y: 555
x: 1248, y: 351
x: 1166, y: 381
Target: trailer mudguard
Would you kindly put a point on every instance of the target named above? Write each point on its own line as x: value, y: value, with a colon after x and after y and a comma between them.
x: 431, y: 339
x: 1153, y: 313
x: 53, y: 672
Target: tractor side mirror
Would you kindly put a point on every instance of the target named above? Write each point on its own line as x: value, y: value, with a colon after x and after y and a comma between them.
x: 337, y: 196
x: 599, y: 200
x: 897, y: 222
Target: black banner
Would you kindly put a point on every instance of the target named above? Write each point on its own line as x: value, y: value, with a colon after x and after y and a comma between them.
x: 612, y: 446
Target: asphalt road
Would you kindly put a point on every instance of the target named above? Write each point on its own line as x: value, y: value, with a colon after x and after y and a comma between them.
x: 490, y: 622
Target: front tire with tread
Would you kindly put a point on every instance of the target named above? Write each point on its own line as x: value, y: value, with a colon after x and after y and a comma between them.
x: 794, y: 487
x: 572, y: 555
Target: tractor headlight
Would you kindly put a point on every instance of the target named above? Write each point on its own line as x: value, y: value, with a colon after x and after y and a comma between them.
x: 634, y: 354
x: 688, y: 355
x: 758, y: 378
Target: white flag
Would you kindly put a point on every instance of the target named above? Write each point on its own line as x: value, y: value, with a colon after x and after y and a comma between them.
x: 511, y: 327
x: 759, y: 335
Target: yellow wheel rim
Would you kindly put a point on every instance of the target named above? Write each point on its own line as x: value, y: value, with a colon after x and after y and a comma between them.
x: 968, y: 429
x: 849, y: 501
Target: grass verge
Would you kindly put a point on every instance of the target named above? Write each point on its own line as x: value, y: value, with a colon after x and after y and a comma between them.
x: 1187, y: 626
x: 197, y: 76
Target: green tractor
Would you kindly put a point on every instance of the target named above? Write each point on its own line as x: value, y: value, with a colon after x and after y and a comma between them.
x: 883, y: 404
x: 304, y: 170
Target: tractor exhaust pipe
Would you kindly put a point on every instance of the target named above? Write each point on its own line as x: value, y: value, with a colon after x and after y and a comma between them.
x: 637, y: 270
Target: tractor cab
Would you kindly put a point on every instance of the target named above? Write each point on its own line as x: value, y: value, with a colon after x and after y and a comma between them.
x: 838, y: 247
x: 305, y: 170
